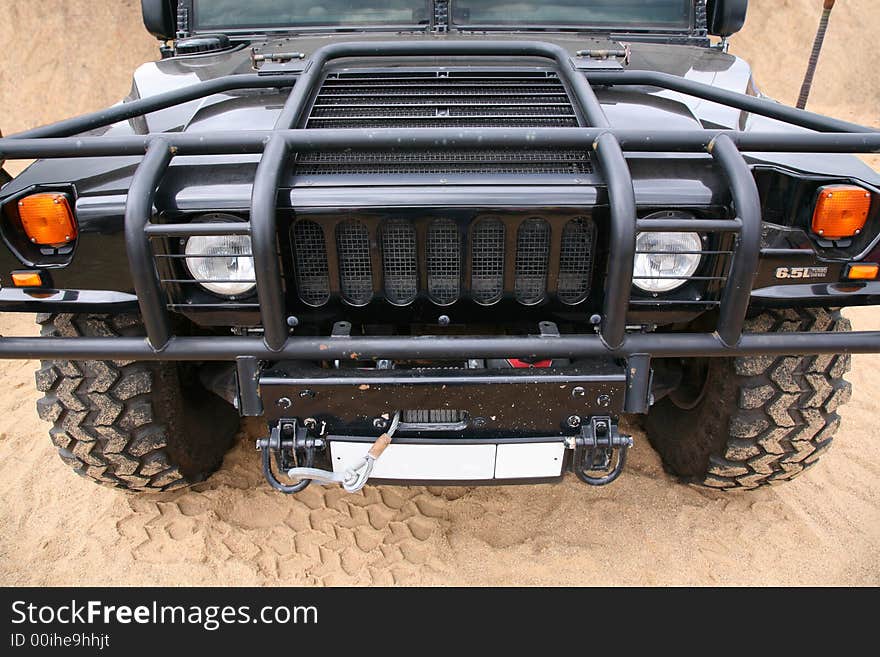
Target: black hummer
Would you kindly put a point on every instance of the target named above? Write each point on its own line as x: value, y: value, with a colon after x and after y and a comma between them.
x: 478, y: 230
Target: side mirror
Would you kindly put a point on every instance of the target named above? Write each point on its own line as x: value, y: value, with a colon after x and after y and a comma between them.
x: 726, y: 17
x: 160, y: 18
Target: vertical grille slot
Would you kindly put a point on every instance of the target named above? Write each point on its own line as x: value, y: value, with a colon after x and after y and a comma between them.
x: 312, y: 273
x: 487, y: 261
x: 399, y: 261
x: 355, y: 269
x: 576, y: 260
x: 444, y: 261
x: 532, y: 254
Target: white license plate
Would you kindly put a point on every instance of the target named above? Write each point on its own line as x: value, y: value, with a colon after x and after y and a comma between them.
x: 456, y: 462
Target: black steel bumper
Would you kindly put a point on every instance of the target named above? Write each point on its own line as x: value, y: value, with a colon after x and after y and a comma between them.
x: 609, y: 145
x: 478, y: 403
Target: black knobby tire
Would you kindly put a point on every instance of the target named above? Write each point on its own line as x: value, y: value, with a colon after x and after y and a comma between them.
x: 758, y: 419
x: 141, y: 426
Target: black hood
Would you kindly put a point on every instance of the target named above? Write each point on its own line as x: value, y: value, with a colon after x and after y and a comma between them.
x: 643, y: 108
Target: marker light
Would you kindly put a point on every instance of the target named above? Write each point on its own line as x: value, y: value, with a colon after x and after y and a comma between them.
x: 862, y: 272
x: 47, y: 219
x: 841, y: 211
x: 26, y: 279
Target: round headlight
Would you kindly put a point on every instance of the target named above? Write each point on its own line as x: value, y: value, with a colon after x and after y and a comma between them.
x: 664, y: 261
x: 221, y: 263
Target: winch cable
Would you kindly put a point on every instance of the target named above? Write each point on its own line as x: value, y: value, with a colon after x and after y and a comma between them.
x: 355, y: 477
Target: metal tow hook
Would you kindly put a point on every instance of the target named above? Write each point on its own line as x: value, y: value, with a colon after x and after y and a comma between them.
x: 594, y: 451
x: 284, y: 441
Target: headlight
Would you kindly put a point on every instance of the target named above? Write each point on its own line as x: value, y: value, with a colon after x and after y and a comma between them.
x: 221, y: 263
x: 664, y: 261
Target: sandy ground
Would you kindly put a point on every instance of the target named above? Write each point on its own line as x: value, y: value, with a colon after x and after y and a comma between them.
x: 65, y: 57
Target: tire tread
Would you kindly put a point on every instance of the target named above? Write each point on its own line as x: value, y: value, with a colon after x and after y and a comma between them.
x: 104, y: 416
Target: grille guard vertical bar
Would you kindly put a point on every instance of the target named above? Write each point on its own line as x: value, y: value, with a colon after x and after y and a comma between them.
x: 747, y: 204
x: 138, y: 212
x: 264, y: 242
x: 622, y: 239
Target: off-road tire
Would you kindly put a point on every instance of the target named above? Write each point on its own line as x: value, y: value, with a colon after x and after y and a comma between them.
x: 761, y: 419
x: 140, y: 426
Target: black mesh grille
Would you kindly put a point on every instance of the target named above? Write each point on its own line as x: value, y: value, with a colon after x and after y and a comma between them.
x: 312, y: 273
x: 487, y: 261
x: 488, y: 98
x: 502, y: 161
x: 442, y: 98
x: 444, y: 261
x: 355, y: 268
x: 532, y: 253
x: 576, y: 260
x: 399, y: 261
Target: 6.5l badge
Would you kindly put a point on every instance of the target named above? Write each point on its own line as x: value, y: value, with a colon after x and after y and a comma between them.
x: 801, y: 272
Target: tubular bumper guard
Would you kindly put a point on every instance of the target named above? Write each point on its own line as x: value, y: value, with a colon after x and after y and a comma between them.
x: 609, y: 144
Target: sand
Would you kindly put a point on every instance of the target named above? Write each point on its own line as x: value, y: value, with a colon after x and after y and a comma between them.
x: 64, y: 57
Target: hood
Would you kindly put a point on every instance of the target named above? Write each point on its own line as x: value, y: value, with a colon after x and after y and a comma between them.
x: 255, y: 110
x: 662, y: 110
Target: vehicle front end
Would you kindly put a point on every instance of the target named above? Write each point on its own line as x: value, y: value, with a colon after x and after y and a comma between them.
x: 458, y: 245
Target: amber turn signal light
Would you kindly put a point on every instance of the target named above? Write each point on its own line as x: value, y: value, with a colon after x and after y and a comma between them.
x: 47, y: 219
x: 865, y: 272
x: 27, y: 279
x: 841, y: 211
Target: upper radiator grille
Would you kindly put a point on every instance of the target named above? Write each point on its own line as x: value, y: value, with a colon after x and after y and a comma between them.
x: 442, y: 98
x: 487, y: 98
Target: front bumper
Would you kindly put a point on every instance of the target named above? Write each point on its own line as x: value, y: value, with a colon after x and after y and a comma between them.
x: 725, y: 147
x: 446, y: 403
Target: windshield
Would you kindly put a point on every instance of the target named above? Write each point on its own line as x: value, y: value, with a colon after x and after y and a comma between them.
x: 268, y: 14
x: 625, y: 14
x: 232, y: 14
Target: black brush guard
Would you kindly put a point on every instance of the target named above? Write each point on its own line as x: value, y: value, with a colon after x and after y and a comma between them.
x: 608, y: 143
